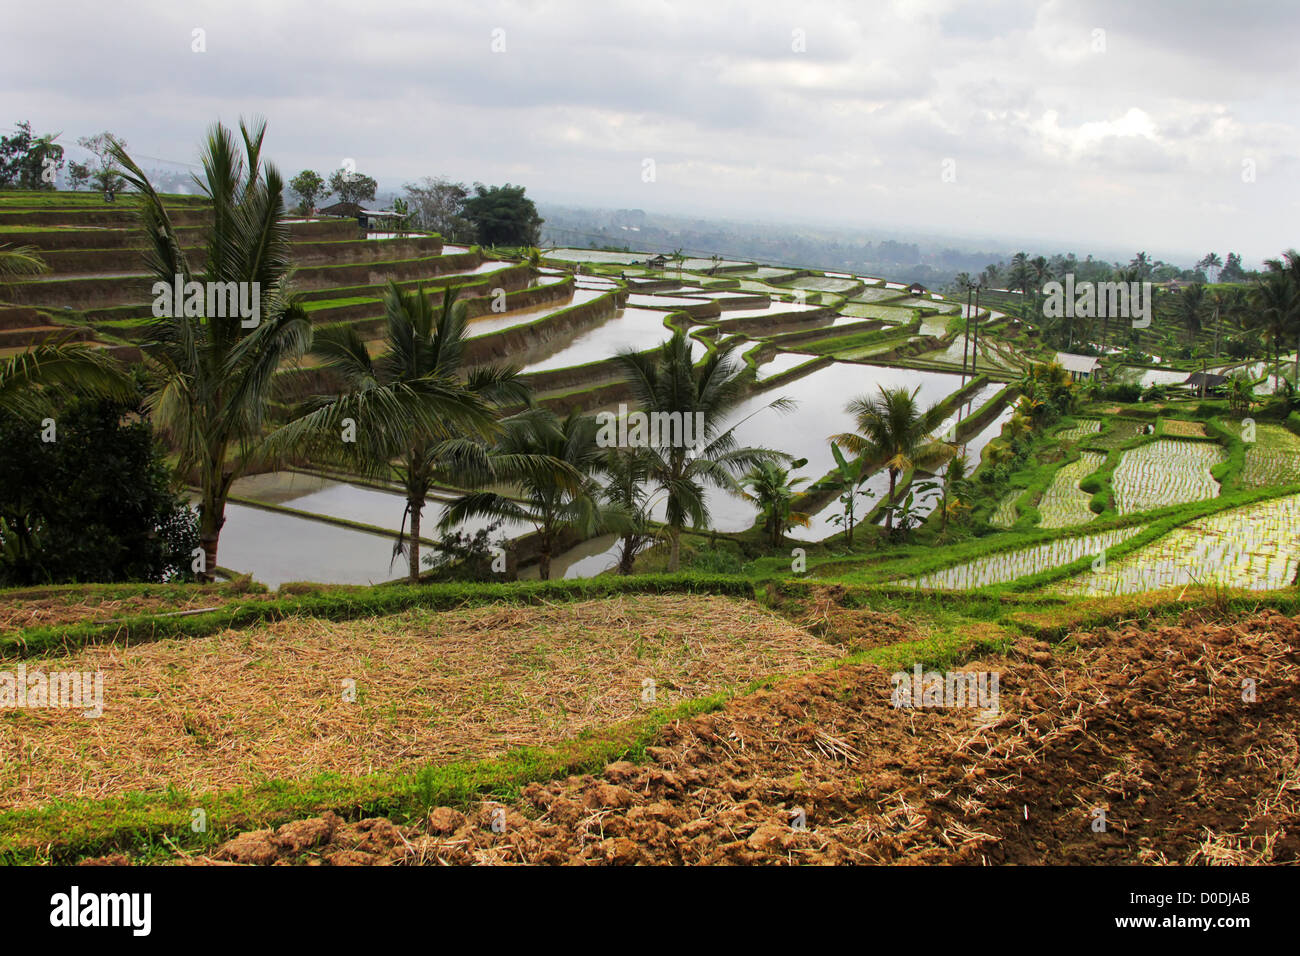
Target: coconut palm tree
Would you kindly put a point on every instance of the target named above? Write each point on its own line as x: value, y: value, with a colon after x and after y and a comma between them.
x: 414, y: 412
x: 773, y: 490
x: 627, y: 489
x: 211, y: 375
x: 954, y: 478
x: 29, y: 380
x: 1274, y: 298
x: 666, y: 381
x: 21, y: 261
x: 1211, y: 264
x: 1021, y: 275
x: 1190, y: 307
x: 894, y: 433
x: 1289, y: 265
x: 548, y: 499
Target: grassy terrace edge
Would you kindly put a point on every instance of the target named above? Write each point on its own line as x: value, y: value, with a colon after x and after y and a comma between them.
x: 342, y: 605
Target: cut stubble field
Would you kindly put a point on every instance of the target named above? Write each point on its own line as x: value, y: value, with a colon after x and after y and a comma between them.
x: 268, y: 702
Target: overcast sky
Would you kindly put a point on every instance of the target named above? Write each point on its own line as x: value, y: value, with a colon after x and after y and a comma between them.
x: 1115, y: 124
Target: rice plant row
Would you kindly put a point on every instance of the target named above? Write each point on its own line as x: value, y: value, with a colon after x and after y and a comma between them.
x: 1080, y: 430
x: 1177, y: 426
x: 1005, y: 514
x: 1009, y: 565
x: 1120, y: 431
x: 1256, y: 547
x: 1064, y: 503
x: 1165, y: 472
x: 1272, y: 459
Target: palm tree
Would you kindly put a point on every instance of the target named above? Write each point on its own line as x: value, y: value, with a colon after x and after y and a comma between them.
x: 1190, y: 307
x: 211, y: 374
x: 1211, y: 263
x: 1041, y: 270
x: 772, y: 489
x: 894, y: 433
x: 1289, y: 265
x: 954, y: 477
x: 627, y: 473
x: 1021, y: 275
x: 679, y: 257
x: 1218, y: 301
x: 414, y: 411
x: 1274, y: 298
x: 30, y: 379
x: 548, y: 498
x: 1142, y: 263
x: 21, y: 261
x: 666, y: 381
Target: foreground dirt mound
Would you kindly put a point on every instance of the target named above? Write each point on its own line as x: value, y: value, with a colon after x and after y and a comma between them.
x: 1147, y: 726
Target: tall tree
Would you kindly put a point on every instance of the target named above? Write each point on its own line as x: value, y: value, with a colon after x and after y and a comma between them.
x: 439, y: 206
x: 211, y: 374
x: 352, y: 187
x: 667, y: 381
x: 308, y: 186
x: 893, y: 432
x: 1190, y: 307
x: 106, y: 167
x: 1289, y: 265
x: 503, y: 216
x: 413, y: 412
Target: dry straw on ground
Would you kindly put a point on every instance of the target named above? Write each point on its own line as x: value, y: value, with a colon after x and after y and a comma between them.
x: 268, y: 701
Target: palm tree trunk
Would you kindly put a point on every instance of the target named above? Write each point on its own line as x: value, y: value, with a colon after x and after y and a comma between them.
x: 544, y: 559
x: 675, y: 549
x: 889, y: 515
x: 211, y: 518
x: 413, y: 552
x: 626, y: 558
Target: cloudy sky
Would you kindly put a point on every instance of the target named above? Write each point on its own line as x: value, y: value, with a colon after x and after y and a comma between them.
x: 1090, y: 126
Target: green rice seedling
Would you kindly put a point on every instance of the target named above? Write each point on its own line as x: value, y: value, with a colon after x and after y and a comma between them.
x: 1165, y: 472
x: 1005, y: 566
x: 1256, y: 547
x: 1064, y: 503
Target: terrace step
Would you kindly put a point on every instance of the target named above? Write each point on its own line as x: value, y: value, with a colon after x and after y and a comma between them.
x: 14, y: 338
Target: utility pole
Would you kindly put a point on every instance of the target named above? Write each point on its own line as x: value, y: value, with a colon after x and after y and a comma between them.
x: 965, y: 339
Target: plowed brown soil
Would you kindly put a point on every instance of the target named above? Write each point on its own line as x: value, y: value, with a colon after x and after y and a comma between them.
x: 1148, y: 724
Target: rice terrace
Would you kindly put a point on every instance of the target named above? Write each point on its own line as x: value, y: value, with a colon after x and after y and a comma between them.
x: 349, y: 517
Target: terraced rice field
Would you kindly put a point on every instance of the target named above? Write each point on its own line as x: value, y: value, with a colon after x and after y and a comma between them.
x: 1005, y: 514
x: 1256, y: 547
x: 888, y: 313
x: 825, y: 284
x: 1165, y: 472
x: 1185, y: 429
x: 1080, y: 430
x: 1009, y: 565
x: 1119, y: 431
x: 875, y: 294
x: 1064, y: 503
x: 1273, y: 459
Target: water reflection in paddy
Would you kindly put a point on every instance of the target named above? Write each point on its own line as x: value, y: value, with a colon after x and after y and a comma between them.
x: 638, y: 329
x: 805, y: 432
x: 495, y: 322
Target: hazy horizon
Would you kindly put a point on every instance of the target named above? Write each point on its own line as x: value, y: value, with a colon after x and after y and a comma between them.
x: 1013, y: 124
